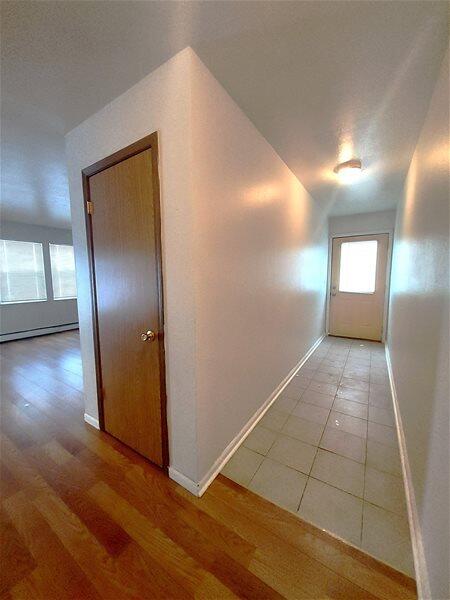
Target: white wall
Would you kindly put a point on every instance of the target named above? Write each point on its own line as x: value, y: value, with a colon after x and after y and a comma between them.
x: 34, y: 318
x: 373, y: 222
x: 159, y: 102
x: 419, y: 336
x: 244, y: 255
x: 260, y: 264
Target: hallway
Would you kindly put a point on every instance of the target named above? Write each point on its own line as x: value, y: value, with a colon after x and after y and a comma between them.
x: 327, y: 450
x: 83, y: 516
x: 225, y: 300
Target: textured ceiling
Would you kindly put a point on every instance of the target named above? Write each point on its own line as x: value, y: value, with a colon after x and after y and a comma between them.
x: 321, y: 81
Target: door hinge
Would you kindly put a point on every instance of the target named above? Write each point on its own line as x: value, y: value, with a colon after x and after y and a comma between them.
x: 90, y: 207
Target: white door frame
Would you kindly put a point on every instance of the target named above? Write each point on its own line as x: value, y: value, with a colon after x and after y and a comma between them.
x: 331, y: 237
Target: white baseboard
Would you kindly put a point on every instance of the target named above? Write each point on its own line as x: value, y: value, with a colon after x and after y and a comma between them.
x: 420, y: 564
x: 20, y: 335
x: 184, y: 481
x: 199, y: 488
x: 92, y: 421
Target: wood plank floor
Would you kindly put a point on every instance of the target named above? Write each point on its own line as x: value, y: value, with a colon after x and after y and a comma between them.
x: 82, y: 516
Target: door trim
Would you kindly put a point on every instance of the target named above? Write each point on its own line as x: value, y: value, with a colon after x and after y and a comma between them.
x: 146, y: 143
x: 331, y: 237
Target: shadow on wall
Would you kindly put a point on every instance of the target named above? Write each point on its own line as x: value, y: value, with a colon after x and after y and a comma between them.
x: 424, y: 377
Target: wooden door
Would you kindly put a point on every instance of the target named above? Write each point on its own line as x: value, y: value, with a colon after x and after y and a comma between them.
x: 123, y: 222
x: 358, y: 286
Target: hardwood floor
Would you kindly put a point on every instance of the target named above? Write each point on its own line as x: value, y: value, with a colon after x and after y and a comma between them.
x: 84, y: 517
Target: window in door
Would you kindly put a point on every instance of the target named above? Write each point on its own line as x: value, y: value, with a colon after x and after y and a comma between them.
x: 358, y: 267
x: 22, y: 272
x: 63, y: 271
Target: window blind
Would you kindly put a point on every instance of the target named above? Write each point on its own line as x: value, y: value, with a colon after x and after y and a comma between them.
x: 22, y: 272
x: 63, y: 271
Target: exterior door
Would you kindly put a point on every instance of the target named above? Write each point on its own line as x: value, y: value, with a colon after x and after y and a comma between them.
x: 358, y: 286
x: 123, y: 222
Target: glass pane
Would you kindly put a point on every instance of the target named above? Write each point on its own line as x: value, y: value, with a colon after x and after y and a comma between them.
x: 22, y: 272
x: 63, y: 271
x: 358, y: 267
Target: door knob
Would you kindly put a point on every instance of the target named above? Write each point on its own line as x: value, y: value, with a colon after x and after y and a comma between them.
x: 148, y: 336
x: 333, y: 291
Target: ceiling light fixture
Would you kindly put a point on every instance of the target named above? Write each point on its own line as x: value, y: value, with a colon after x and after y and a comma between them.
x: 348, y: 171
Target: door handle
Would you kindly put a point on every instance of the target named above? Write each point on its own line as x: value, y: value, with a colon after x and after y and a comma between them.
x: 333, y: 291
x: 148, y: 336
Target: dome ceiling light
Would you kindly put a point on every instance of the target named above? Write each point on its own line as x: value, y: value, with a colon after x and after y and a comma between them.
x: 348, y: 171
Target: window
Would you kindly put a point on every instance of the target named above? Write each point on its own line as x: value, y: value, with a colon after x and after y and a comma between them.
x: 63, y: 271
x: 358, y: 267
x: 22, y: 272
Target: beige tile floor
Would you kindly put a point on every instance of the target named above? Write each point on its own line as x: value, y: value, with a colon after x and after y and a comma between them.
x: 327, y: 450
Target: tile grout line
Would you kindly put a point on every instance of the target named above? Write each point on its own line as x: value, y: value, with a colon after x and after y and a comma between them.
x: 320, y: 440
x: 326, y: 483
x: 279, y: 433
x: 277, y: 436
x: 312, y: 462
x: 317, y: 447
x: 365, y: 460
x: 362, y: 507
